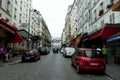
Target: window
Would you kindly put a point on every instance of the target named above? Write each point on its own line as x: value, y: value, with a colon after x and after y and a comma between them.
x: 93, y: 54
x: 78, y: 52
x: 0, y: 2
x: 8, y: 6
x: 102, y: 22
x: 15, y: 12
x: 95, y: 15
x: 16, y: 2
x: 112, y: 18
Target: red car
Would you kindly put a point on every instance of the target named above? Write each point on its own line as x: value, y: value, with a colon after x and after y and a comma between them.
x: 87, y: 59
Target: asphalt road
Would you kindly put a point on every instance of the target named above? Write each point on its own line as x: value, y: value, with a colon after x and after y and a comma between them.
x: 49, y: 67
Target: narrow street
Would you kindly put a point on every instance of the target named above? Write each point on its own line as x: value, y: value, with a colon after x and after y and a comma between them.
x: 50, y: 67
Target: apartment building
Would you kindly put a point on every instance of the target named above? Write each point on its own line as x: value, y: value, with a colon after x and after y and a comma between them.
x: 98, y: 23
x: 21, y: 15
x: 63, y: 36
x: 6, y: 9
x: 8, y: 32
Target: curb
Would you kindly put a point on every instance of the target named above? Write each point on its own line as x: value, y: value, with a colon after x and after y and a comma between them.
x: 11, y: 63
x: 15, y: 62
x: 109, y: 76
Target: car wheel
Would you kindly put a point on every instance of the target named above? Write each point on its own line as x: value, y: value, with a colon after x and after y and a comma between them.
x: 115, y: 60
x: 102, y: 72
x: 78, y: 69
x: 35, y: 59
x: 72, y: 64
x: 23, y: 59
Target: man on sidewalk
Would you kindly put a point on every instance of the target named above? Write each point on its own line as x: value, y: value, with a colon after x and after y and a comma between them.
x: 104, y: 51
x: 2, y: 53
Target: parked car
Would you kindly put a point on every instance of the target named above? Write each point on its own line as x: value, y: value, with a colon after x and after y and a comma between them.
x: 43, y: 50
x: 62, y: 50
x: 31, y: 55
x: 48, y: 49
x: 68, y: 51
x: 87, y: 59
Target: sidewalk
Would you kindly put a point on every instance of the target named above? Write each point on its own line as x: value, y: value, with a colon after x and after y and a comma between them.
x: 113, y: 71
x: 15, y: 60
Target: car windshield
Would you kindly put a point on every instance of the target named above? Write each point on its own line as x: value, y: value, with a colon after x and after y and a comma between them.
x: 93, y: 54
x: 42, y: 49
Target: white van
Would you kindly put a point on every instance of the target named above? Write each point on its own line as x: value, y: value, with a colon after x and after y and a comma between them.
x: 69, y: 51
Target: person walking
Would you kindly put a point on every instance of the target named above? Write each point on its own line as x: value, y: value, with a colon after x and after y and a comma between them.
x: 104, y: 51
x: 2, y: 52
x: 6, y: 57
x: 10, y: 54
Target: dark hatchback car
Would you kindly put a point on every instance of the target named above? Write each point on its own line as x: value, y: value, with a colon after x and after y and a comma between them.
x: 43, y: 50
x: 87, y: 59
x: 33, y: 55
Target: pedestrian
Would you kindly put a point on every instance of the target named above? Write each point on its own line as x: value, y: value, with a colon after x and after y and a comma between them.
x: 6, y: 57
x: 10, y: 54
x: 104, y: 51
x: 2, y: 52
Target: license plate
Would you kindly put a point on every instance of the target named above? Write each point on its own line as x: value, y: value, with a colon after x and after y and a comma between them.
x: 27, y: 58
x: 95, y: 64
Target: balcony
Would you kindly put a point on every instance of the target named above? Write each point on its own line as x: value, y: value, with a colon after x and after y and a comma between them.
x: 116, y: 7
x: 101, y: 12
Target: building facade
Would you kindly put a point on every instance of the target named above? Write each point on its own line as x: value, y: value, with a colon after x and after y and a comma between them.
x: 27, y: 21
x: 97, y: 23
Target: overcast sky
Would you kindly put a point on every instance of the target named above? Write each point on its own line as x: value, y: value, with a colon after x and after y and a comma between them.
x: 54, y: 13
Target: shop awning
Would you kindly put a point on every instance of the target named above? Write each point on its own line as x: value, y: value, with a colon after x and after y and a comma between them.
x: 17, y: 39
x: 114, y: 37
x: 25, y: 34
x: 105, y: 32
x: 116, y: 6
x: 6, y: 28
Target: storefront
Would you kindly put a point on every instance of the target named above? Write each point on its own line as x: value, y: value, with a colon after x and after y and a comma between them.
x: 8, y: 34
x: 113, y: 43
x: 99, y: 37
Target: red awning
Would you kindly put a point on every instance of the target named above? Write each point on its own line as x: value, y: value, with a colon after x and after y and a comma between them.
x: 6, y: 28
x: 17, y: 39
x: 104, y: 33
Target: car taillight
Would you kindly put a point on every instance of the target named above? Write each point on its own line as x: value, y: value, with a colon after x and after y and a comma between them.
x: 33, y: 54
